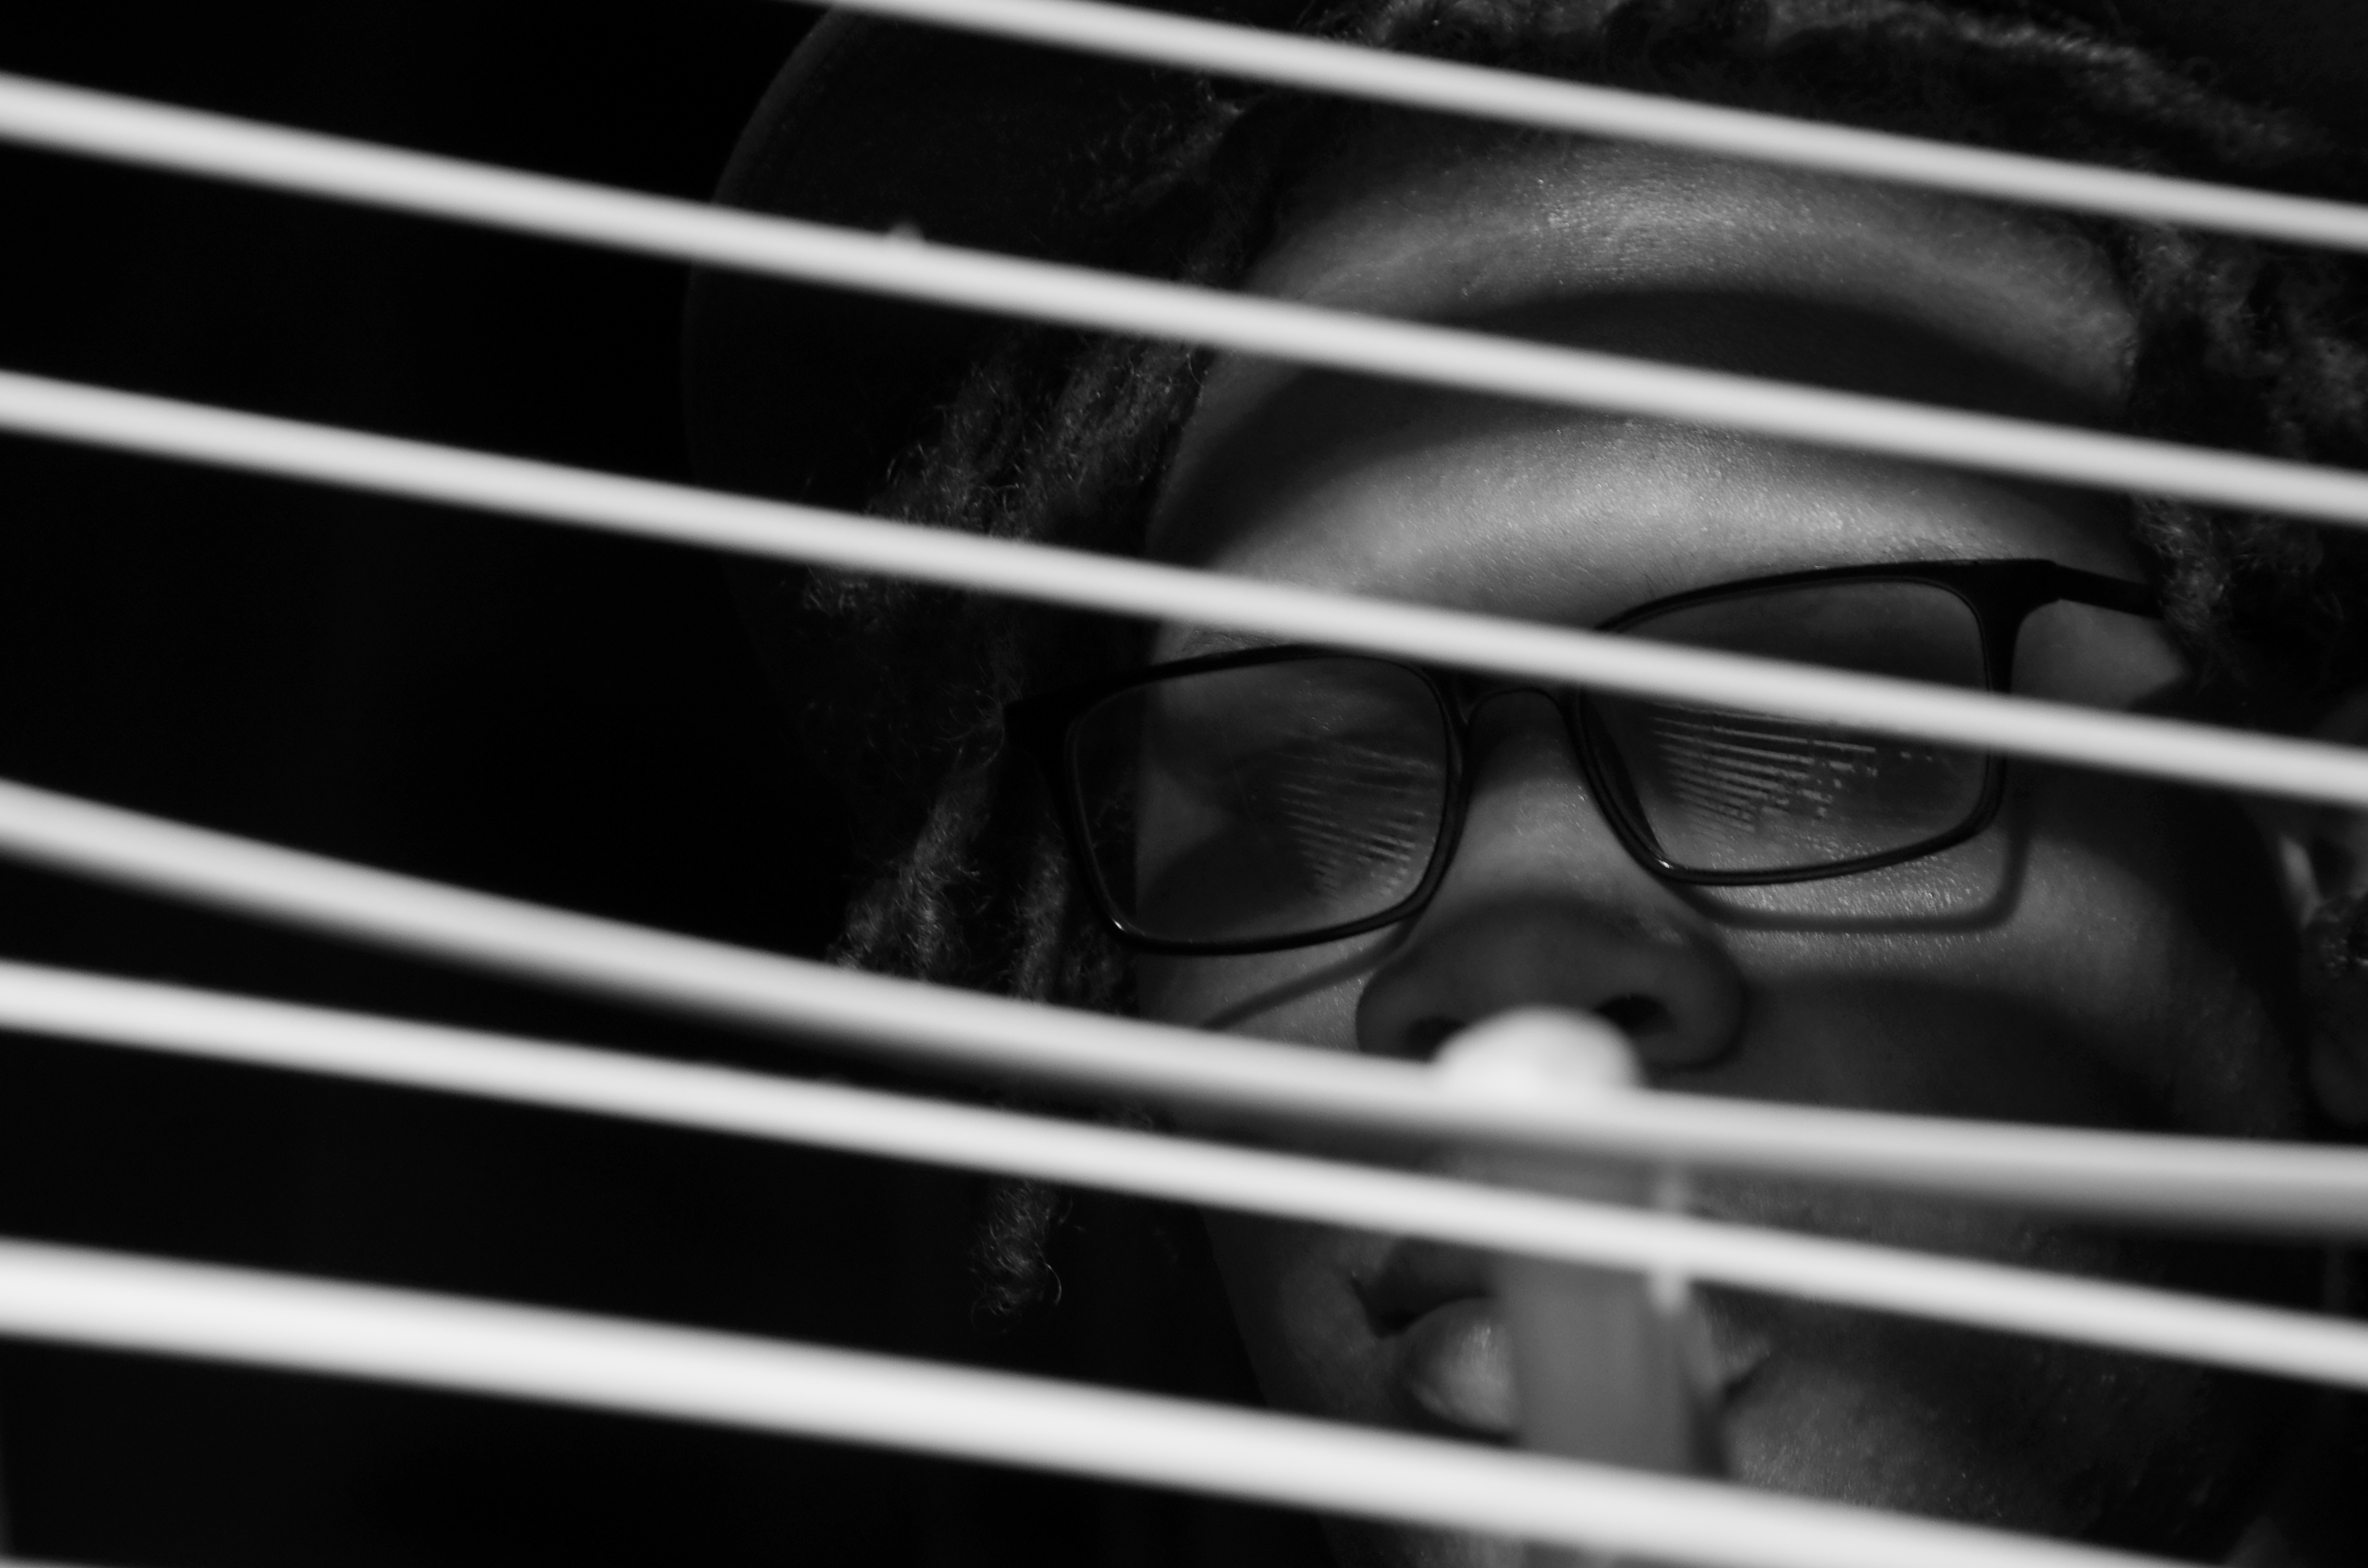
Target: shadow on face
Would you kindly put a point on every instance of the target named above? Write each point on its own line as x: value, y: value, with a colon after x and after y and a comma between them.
x: 2105, y: 954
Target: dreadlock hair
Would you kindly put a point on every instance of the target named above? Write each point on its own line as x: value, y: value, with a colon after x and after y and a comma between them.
x: 1063, y: 437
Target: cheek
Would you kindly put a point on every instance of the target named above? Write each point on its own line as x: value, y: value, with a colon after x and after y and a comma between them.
x: 1306, y: 1332
x: 2010, y: 1433
x: 2105, y: 955
x: 1307, y: 997
x: 2137, y: 971
x: 2149, y: 924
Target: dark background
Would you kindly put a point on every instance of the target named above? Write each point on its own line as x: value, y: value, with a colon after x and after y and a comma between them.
x: 525, y: 710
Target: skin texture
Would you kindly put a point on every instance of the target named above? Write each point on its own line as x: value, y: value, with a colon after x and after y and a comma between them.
x: 2109, y: 954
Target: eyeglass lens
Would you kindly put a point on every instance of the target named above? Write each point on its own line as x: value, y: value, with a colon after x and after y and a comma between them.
x: 1253, y: 803
x: 1732, y: 793
x: 1268, y: 801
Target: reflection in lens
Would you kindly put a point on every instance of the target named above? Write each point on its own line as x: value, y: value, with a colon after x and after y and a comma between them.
x: 1736, y: 772
x: 1264, y: 800
x: 1737, y: 793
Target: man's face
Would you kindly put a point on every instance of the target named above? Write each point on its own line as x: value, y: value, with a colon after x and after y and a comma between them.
x: 2107, y: 954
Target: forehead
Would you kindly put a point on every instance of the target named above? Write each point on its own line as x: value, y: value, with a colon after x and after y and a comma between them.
x: 1442, y: 223
x: 1400, y: 489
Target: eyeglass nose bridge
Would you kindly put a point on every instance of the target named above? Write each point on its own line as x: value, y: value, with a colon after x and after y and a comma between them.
x: 1469, y: 698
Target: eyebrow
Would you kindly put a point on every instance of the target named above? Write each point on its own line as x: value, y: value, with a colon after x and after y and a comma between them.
x: 1202, y: 641
x: 1307, y: 423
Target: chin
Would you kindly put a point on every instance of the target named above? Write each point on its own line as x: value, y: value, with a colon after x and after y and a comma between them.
x: 1358, y: 1545
x: 2006, y: 1433
x: 1977, y: 1428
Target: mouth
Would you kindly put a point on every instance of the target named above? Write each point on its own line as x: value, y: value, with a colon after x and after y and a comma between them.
x: 1451, y: 1359
x: 1452, y: 1356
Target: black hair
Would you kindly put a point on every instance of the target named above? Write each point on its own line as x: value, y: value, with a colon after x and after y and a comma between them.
x: 1065, y: 438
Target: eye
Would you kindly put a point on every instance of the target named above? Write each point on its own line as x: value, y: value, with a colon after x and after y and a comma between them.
x: 1727, y: 792
x: 1742, y: 770
x: 1343, y: 808
x: 1738, y: 792
x: 1236, y: 803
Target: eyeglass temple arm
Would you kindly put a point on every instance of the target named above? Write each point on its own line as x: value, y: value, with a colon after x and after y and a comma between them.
x: 2072, y: 584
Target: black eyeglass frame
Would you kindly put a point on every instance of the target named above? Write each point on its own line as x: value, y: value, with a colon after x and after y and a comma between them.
x: 2000, y: 593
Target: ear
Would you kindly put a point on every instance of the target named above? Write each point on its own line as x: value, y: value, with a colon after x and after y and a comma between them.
x: 2322, y: 860
x: 2322, y: 851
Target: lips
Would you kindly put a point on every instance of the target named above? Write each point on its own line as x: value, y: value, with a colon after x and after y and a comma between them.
x: 1451, y: 1362
x: 1455, y: 1366
x: 1451, y: 1359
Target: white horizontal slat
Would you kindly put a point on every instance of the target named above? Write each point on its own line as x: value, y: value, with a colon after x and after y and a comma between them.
x: 128, y: 130
x: 2121, y: 743
x: 2183, y: 1180
x: 858, y: 1121
x: 1161, y: 37
x: 311, y: 1325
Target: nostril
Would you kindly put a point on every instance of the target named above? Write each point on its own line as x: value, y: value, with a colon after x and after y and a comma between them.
x: 1635, y: 1015
x: 1424, y: 1036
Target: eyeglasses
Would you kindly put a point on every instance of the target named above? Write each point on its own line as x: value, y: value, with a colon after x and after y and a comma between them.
x: 1285, y: 795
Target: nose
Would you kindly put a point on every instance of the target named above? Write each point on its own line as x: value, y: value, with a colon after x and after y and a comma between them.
x: 1680, y: 1002
x: 1543, y: 907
